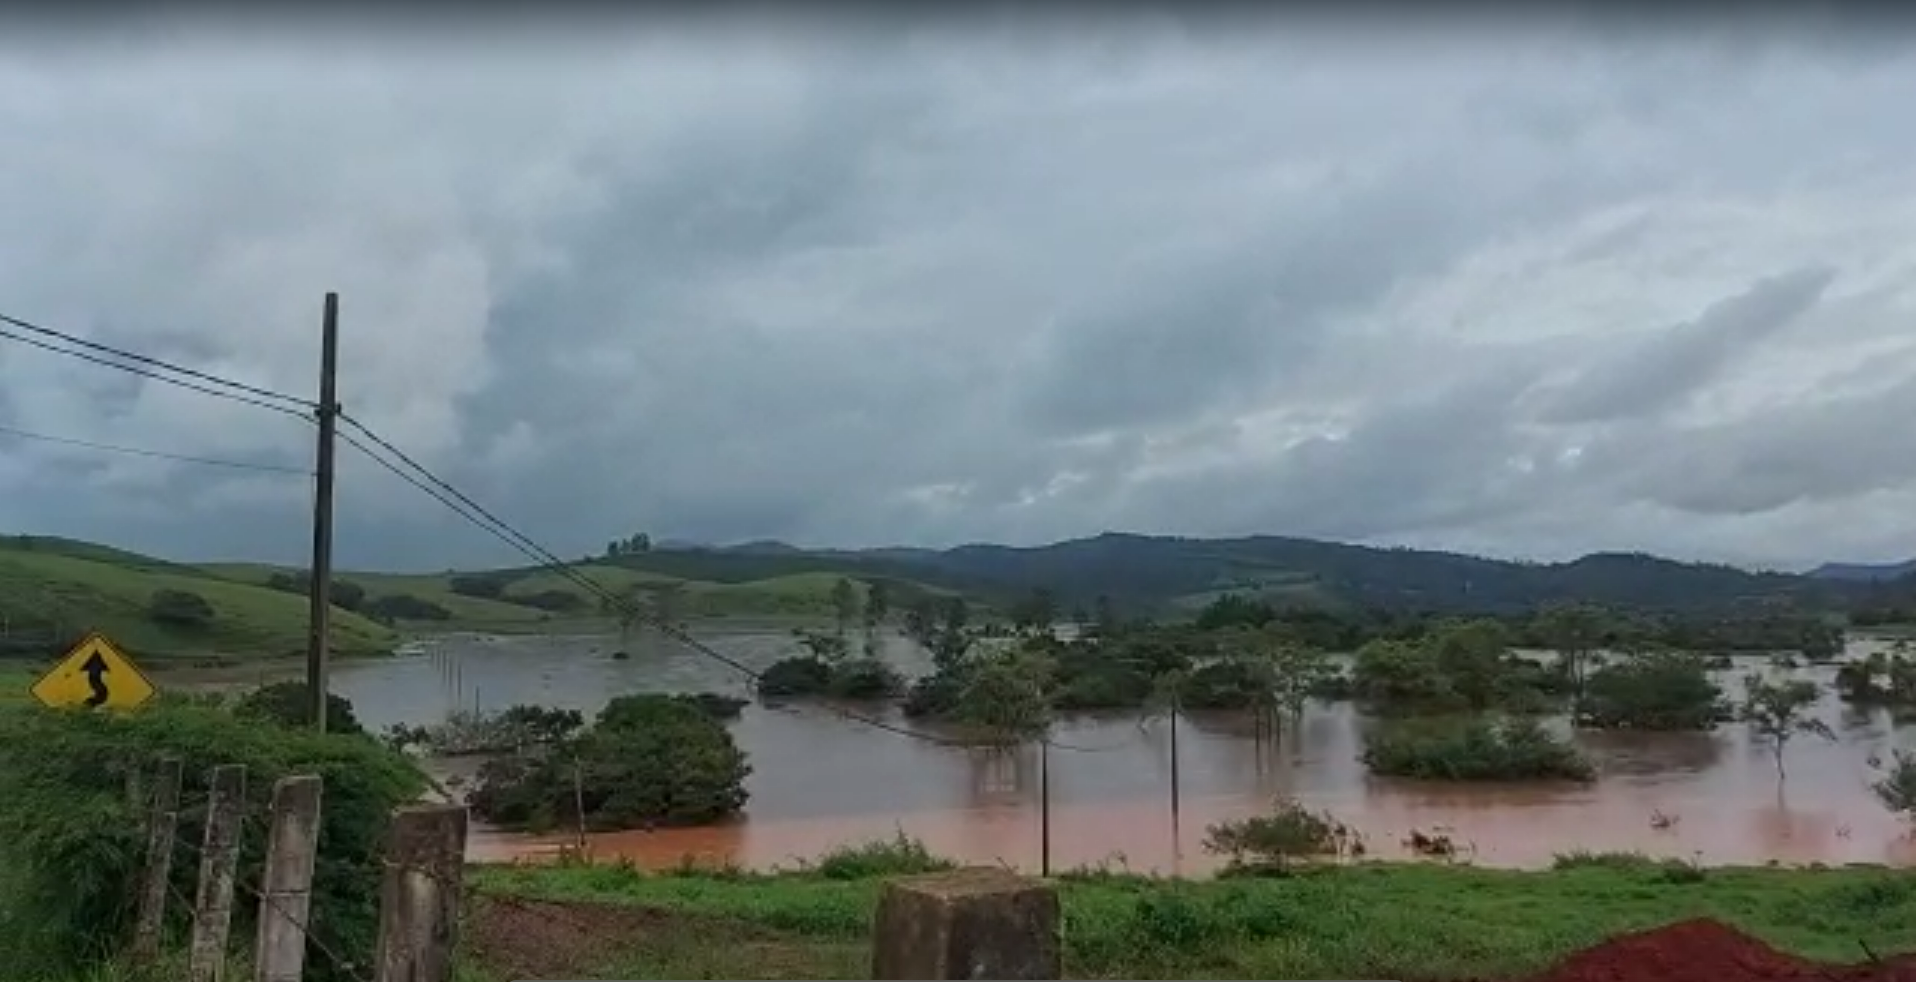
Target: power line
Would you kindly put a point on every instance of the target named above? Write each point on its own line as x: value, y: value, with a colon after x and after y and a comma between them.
x: 145, y: 373
x: 463, y: 506
x: 155, y: 454
x: 148, y: 360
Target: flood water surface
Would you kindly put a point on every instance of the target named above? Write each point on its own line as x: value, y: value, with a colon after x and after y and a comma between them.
x: 821, y: 780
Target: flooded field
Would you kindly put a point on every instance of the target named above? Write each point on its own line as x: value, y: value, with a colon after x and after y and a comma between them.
x: 821, y: 780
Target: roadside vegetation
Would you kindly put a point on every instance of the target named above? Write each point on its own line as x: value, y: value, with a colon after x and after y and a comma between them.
x: 1300, y: 921
x: 72, y: 837
x: 1424, y: 921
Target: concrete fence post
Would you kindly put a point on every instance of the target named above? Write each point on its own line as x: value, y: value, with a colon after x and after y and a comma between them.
x: 419, y: 897
x: 219, y: 860
x: 979, y: 923
x: 162, y: 824
x: 286, y: 888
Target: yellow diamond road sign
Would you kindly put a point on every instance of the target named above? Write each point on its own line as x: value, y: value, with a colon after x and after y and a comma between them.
x: 94, y: 674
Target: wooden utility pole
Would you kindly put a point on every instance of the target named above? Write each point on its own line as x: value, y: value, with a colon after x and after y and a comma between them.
x: 1177, y: 838
x: 320, y: 589
x: 1044, y: 806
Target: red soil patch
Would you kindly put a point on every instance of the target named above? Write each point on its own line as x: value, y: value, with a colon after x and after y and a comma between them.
x: 1709, y: 951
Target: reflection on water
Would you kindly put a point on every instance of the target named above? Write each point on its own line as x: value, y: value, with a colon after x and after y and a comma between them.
x: 819, y: 780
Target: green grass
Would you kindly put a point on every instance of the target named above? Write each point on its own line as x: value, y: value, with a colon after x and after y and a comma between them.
x: 69, y: 590
x: 1374, y: 921
x: 54, y: 586
x: 14, y: 680
x: 796, y: 596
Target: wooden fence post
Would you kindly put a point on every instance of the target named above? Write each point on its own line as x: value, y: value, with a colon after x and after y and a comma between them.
x: 219, y: 858
x: 286, y: 890
x: 420, y: 895
x: 161, y: 824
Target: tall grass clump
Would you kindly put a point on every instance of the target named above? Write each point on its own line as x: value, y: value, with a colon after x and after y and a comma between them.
x: 1478, y: 749
x: 1272, y: 842
x: 900, y: 855
x: 72, y: 837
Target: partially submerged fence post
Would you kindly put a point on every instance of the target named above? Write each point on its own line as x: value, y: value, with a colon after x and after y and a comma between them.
x: 980, y: 923
x: 420, y: 895
x: 219, y: 858
x: 162, y: 822
x: 286, y: 889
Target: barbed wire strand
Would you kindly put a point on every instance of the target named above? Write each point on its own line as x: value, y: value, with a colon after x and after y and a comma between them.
x: 463, y: 506
x: 195, y: 855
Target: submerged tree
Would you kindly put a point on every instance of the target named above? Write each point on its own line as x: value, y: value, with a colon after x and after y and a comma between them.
x: 1575, y: 631
x: 1778, y: 710
x: 845, y: 606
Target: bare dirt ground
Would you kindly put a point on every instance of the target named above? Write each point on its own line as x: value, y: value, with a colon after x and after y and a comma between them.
x: 511, y: 938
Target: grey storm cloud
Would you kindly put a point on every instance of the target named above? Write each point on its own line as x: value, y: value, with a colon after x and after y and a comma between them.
x: 1535, y: 291
x: 1665, y: 369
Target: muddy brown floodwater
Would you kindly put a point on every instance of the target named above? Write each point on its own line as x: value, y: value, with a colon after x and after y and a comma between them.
x: 820, y: 781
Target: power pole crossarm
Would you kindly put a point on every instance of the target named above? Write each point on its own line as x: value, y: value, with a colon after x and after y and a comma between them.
x: 320, y: 587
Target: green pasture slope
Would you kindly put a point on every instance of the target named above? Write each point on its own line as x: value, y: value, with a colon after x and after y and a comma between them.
x: 798, y: 596
x: 58, y: 588
x: 53, y: 588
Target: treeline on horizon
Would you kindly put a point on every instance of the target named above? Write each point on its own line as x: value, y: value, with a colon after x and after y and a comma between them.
x: 1765, y: 628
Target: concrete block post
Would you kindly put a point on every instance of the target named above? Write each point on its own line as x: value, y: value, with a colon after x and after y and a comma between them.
x: 979, y: 923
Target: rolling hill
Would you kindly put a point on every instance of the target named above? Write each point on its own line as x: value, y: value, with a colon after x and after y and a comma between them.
x: 54, y: 590
x: 1864, y: 572
x: 51, y: 588
x: 1159, y: 574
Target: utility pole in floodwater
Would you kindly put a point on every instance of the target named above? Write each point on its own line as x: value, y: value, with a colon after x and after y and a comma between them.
x: 320, y: 579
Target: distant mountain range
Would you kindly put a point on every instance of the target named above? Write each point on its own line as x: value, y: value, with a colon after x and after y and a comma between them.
x: 1163, y: 573
x: 1864, y: 572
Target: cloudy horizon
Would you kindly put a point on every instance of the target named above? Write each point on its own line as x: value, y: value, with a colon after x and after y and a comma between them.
x: 1530, y: 292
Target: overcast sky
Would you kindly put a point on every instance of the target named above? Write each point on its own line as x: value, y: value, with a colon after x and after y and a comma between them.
x: 1538, y: 291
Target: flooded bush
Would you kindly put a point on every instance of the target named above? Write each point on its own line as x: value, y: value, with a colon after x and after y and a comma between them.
x: 797, y: 677
x: 1272, y: 842
x: 1897, y: 787
x: 471, y: 733
x: 1882, y: 679
x: 1113, y: 687
x: 287, y: 704
x: 900, y: 855
x: 809, y: 676
x: 1658, y: 690
x: 712, y: 704
x: 1224, y: 684
x: 647, y: 760
x: 864, y: 678
x: 1478, y: 749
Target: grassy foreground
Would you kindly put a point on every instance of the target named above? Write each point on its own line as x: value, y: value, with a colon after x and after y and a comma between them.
x: 1401, y: 921
x: 1373, y: 921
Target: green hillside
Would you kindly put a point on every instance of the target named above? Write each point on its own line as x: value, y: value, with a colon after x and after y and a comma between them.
x: 539, y: 599
x: 52, y: 591
x: 1157, y: 575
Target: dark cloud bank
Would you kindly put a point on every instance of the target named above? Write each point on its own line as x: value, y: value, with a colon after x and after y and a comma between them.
x: 1534, y: 294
